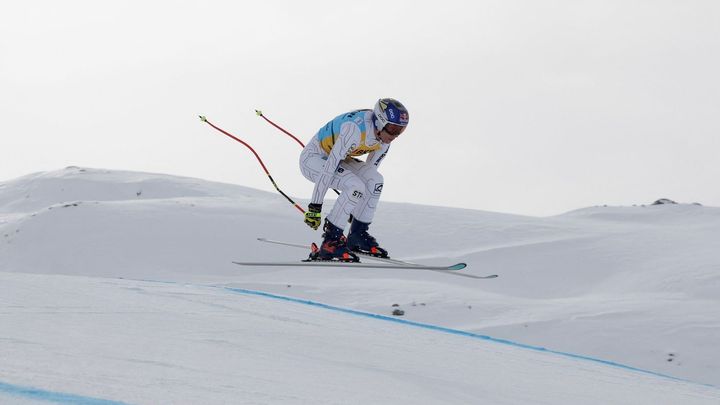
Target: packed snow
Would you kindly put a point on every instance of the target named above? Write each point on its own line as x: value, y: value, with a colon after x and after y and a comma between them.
x: 118, y: 288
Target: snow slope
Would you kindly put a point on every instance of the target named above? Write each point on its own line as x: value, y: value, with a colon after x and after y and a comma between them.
x: 118, y: 286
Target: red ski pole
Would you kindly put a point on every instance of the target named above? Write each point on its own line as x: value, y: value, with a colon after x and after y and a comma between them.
x: 203, y: 119
x: 259, y: 113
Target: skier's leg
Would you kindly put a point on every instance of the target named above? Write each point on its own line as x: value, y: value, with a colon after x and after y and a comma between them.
x: 352, y: 188
x: 358, y: 238
x: 373, y: 181
x: 352, y: 191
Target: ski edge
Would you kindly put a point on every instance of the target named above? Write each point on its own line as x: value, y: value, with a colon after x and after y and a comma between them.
x: 454, y: 267
x: 442, y: 270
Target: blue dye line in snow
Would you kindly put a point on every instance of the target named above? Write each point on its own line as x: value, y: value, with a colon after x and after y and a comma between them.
x: 51, y: 396
x: 457, y: 332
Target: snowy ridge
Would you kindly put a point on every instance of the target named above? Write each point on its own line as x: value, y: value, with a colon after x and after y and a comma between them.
x: 590, y: 297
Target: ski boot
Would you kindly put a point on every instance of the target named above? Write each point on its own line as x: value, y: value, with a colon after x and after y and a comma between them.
x: 334, y: 246
x: 359, y: 240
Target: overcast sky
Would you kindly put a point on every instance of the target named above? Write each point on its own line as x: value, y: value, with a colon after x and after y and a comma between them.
x: 529, y: 107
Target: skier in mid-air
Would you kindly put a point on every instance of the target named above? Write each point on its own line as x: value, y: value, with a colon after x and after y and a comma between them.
x: 329, y: 160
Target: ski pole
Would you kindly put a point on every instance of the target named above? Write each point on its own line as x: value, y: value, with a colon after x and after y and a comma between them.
x: 205, y: 120
x: 260, y: 113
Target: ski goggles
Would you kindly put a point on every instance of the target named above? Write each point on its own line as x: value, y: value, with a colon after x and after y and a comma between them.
x: 393, y: 130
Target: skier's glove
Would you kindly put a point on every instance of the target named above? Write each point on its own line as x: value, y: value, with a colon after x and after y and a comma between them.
x: 312, y: 216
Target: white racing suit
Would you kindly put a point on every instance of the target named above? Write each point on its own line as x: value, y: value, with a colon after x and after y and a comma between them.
x: 329, y: 161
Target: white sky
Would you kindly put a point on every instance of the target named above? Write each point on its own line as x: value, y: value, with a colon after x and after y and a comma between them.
x: 530, y: 107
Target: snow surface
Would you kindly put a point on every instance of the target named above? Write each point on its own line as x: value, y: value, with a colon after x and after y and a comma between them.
x: 117, y: 287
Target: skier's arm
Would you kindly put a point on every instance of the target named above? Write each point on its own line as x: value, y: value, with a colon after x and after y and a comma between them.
x: 347, y: 139
x: 376, y: 157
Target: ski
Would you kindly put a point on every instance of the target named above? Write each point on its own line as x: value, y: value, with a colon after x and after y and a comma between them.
x: 391, y: 263
x: 320, y: 263
x: 365, y: 255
